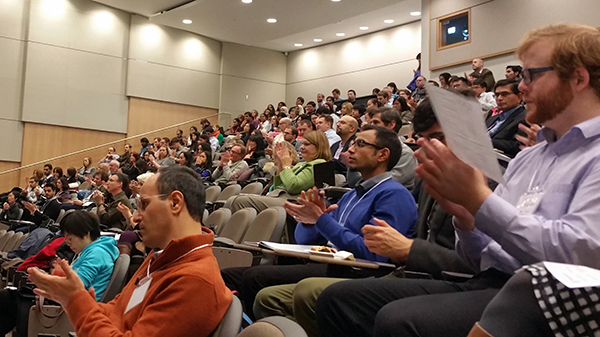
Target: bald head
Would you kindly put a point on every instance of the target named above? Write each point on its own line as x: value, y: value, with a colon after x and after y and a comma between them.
x: 477, y: 64
x: 346, y: 127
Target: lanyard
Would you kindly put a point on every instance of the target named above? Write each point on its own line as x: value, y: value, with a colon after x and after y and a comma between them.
x: 535, y: 175
x: 148, y: 274
x: 342, y: 220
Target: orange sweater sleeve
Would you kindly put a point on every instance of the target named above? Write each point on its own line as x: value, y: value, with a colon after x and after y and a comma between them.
x: 174, y: 311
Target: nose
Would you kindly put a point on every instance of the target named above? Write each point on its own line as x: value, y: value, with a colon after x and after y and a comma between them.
x: 137, y: 217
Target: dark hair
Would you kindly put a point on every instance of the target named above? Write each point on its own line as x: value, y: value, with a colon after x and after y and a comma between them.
x: 361, y: 108
x: 312, y: 103
x: 352, y: 91
x: 424, y: 117
x: 81, y: 223
x: 186, y: 181
x: 294, y: 131
x: 65, y: 184
x: 387, y: 139
x: 205, y: 137
x: 446, y: 77
x: 376, y: 102
x: 122, y: 178
x: 433, y: 82
x: 388, y: 115
x: 336, y: 90
x: 189, y: 158
x: 514, y: 85
x: 103, y: 175
x: 135, y: 155
x: 144, y: 140
x: 375, y: 91
x: 403, y: 105
x: 48, y: 166
x: 71, y: 172
x: 394, y: 87
x: 209, y: 129
x: 167, y: 140
x: 58, y: 170
x: 327, y: 118
x: 328, y: 98
x: 195, y: 128
x: 301, y: 99
x: 141, y: 165
x: 52, y: 186
x: 460, y: 79
x: 260, y: 142
x: 322, y: 110
x: 480, y: 82
x: 516, y: 69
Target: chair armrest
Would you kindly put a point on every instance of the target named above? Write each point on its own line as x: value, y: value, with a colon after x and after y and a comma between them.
x: 223, y: 242
x: 456, y: 277
x: 229, y: 257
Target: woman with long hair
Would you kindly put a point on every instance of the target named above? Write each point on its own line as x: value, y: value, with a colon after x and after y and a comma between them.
x: 403, y: 109
x: 87, y: 168
x: 203, y: 164
x: 185, y: 159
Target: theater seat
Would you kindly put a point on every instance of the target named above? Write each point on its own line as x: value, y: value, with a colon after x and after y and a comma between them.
x: 231, y: 324
x: 117, y: 279
x: 274, y: 326
x: 216, y: 220
x: 236, y: 227
x: 252, y: 188
x: 212, y: 193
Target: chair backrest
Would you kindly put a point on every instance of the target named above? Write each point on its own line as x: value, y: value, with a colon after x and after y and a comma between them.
x: 204, y: 215
x: 405, y: 129
x: 216, y: 219
x: 12, y: 242
x: 267, y: 226
x: 117, y: 279
x: 252, y: 188
x: 229, y: 192
x: 61, y: 215
x: 236, y: 227
x: 212, y: 193
x: 20, y: 241
x: 84, y: 186
x: 4, y: 240
x: 274, y: 326
x: 20, y: 215
x: 340, y: 179
x: 231, y: 324
x: 2, y: 233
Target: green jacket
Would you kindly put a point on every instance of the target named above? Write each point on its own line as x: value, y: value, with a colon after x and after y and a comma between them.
x: 298, y: 178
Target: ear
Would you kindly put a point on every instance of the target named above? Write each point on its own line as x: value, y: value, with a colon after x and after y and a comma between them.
x: 581, y: 77
x: 177, y: 202
x: 384, y: 155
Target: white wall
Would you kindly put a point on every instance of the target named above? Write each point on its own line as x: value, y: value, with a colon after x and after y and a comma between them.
x: 251, y: 79
x: 75, y: 67
x: 361, y: 63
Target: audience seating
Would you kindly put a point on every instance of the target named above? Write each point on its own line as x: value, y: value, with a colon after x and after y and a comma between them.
x: 4, y: 240
x: 204, y: 215
x: 340, y: 180
x: 274, y: 326
x: 233, y: 231
x: 212, y: 193
x: 227, y: 193
x: 231, y: 324
x: 117, y: 279
x: 216, y: 220
x: 252, y: 188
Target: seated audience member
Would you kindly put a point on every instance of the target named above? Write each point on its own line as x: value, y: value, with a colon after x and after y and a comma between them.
x: 235, y: 127
x: 324, y: 124
x: 404, y: 171
x: 500, y: 231
x: 131, y: 169
x: 255, y: 149
x: 373, y: 104
x: 163, y: 159
x: 290, y: 135
x: 194, y: 141
x: 86, y: 169
x: 383, y: 96
x: 472, y: 77
x: 11, y: 208
x: 487, y: 100
x: 504, y: 125
x: 290, y: 179
x: 57, y: 172
x: 93, y: 264
x: 185, y: 159
x: 33, y: 192
x: 434, y: 83
x: 144, y: 146
x: 407, y: 95
x: 460, y: 83
x: 430, y: 250
x: 484, y: 73
x: 113, y: 166
x: 373, y: 154
x: 346, y: 109
x: 513, y: 72
x: 124, y: 158
x: 265, y: 125
x: 64, y: 195
x: 177, y: 146
x: 96, y: 183
x: 72, y: 178
x: 110, y: 155
x: 445, y: 80
x: 406, y: 113
x: 108, y: 213
x: 210, y: 133
x: 203, y: 165
x: 420, y: 93
x: 346, y: 129
x: 104, y: 166
x: 284, y: 123
x: 232, y: 162
x: 304, y: 126
x: 49, y: 209
x: 358, y: 112
x: 48, y: 176
x: 539, y: 304
x: 176, y: 280
x: 247, y: 132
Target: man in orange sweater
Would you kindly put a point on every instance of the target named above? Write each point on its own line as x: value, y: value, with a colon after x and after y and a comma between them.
x: 177, y: 291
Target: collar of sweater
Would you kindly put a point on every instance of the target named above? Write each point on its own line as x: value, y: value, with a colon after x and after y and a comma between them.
x: 179, y: 247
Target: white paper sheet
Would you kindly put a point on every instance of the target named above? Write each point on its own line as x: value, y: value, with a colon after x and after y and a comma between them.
x: 465, y: 130
x: 305, y: 249
x: 574, y: 276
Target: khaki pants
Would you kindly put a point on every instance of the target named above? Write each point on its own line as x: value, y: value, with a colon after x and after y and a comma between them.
x: 258, y: 202
x: 294, y: 301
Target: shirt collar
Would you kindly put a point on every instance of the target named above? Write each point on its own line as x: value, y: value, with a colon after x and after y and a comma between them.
x: 575, y: 137
x: 368, y: 184
x: 504, y: 114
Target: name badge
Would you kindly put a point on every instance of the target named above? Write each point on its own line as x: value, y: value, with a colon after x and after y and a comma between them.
x: 138, y: 294
x: 530, y: 201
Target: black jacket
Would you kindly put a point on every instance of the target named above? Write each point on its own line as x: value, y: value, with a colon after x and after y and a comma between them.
x: 339, y: 167
x: 504, y: 139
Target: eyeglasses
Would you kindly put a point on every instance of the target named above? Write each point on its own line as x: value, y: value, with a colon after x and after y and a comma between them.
x: 360, y: 143
x: 436, y: 135
x: 143, y: 202
x: 529, y: 73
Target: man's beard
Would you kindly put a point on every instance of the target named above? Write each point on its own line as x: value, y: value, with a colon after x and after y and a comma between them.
x: 552, y: 104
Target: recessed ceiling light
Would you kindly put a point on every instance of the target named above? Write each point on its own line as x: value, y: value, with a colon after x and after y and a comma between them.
x: 187, y: 21
x: 388, y: 21
x: 297, y: 44
x: 246, y: 1
x: 336, y: 0
x: 363, y: 28
x: 271, y: 20
x: 415, y: 13
x: 318, y: 40
x: 340, y: 34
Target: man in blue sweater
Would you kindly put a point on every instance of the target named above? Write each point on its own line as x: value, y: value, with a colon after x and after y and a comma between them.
x: 375, y: 152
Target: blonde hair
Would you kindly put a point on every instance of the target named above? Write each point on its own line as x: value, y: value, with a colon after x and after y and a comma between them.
x: 347, y: 108
x: 319, y: 140
x: 103, y: 167
x: 574, y: 46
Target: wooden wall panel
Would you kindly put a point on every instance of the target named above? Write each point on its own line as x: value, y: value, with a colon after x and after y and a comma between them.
x: 10, y: 180
x: 42, y: 142
x: 147, y: 115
